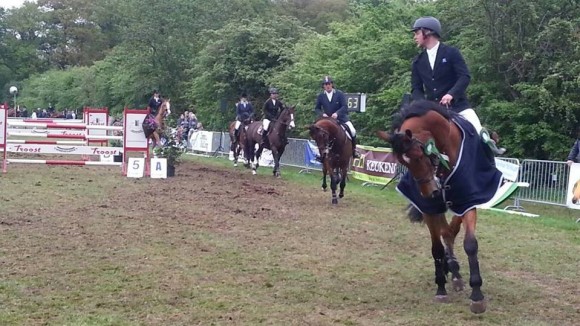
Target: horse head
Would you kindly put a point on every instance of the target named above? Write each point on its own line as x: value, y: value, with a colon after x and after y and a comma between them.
x: 576, y: 193
x: 286, y: 117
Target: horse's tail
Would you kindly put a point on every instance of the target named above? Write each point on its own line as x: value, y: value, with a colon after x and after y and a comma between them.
x: 415, y: 216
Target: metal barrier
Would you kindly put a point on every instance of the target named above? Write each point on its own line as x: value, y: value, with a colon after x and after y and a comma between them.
x: 548, y: 182
x: 548, y: 179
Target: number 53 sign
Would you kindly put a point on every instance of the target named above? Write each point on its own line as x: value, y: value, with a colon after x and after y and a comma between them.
x: 356, y: 102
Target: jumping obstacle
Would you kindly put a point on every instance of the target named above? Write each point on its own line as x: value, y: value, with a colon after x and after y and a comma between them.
x: 94, y: 130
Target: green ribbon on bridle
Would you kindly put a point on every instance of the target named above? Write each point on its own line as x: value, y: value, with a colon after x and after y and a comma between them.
x: 430, y: 149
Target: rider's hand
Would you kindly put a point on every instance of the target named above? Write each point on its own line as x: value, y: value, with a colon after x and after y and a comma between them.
x: 324, y: 115
x: 334, y: 115
x: 446, y: 99
x: 569, y: 162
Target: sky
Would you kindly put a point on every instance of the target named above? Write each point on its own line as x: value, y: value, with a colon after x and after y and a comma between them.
x: 11, y: 3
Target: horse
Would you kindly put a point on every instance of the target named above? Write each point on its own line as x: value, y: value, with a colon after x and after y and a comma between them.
x: 448, y: 169
x: 153, y: 126
x: 335, y: 152
x: 276, y: 139
x: 236, y: 142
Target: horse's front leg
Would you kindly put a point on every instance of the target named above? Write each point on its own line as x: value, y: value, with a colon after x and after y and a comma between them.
x: 276, y: 156
x: 478, y: 304
x: 343, y: 172
x: 334, y: 180
x: 449, y: 234
x: 324, y: 173
x: 435, y: 224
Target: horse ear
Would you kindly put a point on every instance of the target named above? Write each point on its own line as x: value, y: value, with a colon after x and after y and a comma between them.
x: 384, y: 135
x: 409, y: 133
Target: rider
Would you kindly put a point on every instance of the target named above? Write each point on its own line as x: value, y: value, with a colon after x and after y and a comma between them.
x: 332, y: 103
x: 244, y: 111
x: 440, y: 74
x: 272, y: 108
x: 154, y: 103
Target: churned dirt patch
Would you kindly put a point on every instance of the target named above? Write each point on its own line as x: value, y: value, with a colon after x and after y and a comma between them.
x: 215, y: 245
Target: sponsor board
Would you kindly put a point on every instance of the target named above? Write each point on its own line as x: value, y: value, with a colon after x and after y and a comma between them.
x: 376, y: 165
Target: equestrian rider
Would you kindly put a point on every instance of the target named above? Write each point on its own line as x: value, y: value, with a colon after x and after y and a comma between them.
x: 155, y: 103
x: 244, y: 111
x: 440, y: 74
x: 272, y: 108
x: 332, y: 103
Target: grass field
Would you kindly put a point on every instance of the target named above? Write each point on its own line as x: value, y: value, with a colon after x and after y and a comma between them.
x: 218, y: 246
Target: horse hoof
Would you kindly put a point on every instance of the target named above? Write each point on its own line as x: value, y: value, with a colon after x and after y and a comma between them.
x: 254, y: 172
x: 441, y: 299
x: 334, y: 201
x: 340, y: 195
x: 323, y: 189
x: 235, y: 164
x: 458, y: 284
x: 478, y: 307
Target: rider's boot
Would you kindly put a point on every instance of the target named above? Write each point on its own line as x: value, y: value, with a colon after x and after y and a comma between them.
x: 237, y: 135
x: 355, y: 154
x: 264, y: 137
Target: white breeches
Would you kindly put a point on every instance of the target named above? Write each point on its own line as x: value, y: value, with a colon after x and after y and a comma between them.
x: 265, y: 124
x: 471, y: 116
x: 351, y: 128
x: 237, y: 125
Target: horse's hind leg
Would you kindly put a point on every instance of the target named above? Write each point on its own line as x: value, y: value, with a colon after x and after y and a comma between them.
x: 324, y: 173
x: 342, y: 182
x: 478, y: 304
x: 435, y: 224
x: 448, y: 235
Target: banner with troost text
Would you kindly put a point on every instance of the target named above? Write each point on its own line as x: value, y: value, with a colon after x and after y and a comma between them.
x: 376, y: 165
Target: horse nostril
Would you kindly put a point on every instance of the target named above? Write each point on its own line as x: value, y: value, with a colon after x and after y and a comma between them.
x: 435, y: 194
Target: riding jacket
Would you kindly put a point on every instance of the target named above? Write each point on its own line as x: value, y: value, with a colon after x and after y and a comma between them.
x: 337, y: 105
x: 271, y: 110
x: 244, y: 111
x: 448, y: 76
x: 154, y: 105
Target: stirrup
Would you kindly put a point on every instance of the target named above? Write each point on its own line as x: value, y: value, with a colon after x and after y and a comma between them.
x: 484, y: 134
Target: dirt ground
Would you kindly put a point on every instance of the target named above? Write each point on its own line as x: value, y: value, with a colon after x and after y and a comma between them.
x: 218, y: 246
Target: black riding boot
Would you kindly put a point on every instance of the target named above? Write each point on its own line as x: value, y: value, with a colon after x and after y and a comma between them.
x: 355, y: 154
x: 237, y: 134
x: 264, y: 138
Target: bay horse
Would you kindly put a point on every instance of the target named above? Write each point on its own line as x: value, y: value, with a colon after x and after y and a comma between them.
x: 335, y: 152
x: 448, y: 169
x: 153, y: 126
x: 236, y: 143
x: 276, y: 139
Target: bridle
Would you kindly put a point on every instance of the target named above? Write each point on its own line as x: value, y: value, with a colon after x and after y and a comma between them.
x: 437, y: 159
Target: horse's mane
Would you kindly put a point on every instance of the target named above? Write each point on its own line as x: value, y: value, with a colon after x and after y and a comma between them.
x: 417, y: 109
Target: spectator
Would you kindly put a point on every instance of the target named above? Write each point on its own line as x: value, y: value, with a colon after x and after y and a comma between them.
x: 574, y: 156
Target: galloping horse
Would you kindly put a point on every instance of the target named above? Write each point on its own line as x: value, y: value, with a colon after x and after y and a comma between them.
x: 154, y: 126
x: 448, y: 168
x: 335, y: 153
x: 236, y: 143
x: 276, y: 140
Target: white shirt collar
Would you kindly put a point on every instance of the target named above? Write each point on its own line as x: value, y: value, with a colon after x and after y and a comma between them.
x: 432, y: 54
x: 329, y: 94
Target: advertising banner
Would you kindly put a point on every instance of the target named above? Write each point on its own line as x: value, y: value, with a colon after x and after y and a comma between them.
x: 202, y: 141
x: 376, y: 165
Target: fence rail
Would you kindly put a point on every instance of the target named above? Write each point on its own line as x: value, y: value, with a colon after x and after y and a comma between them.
x: 548, y: 180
